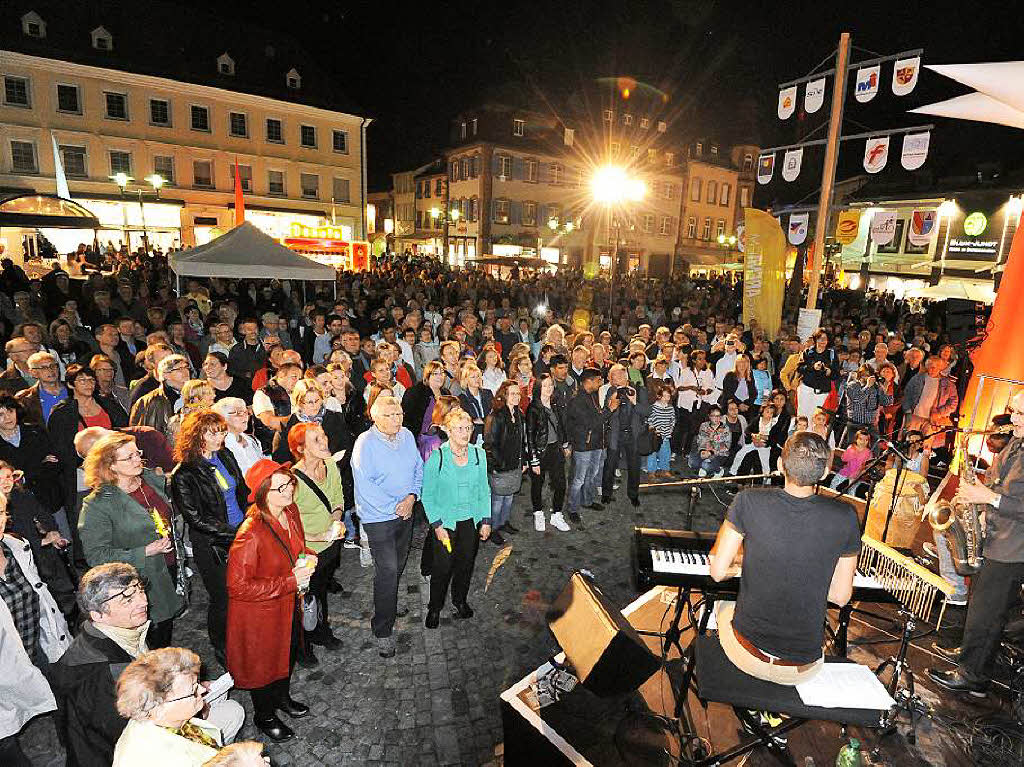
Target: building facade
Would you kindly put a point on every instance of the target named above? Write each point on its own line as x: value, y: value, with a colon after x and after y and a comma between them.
x: 301, y: 166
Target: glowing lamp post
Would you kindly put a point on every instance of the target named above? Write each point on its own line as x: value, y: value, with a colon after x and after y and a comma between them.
x: 610, y: 186
x: 156, y: 181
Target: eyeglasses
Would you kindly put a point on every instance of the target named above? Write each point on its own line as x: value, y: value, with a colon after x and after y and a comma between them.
x: 50, y: 366
x: 129, y: 593
x: 130, y: 457
x: 216, y: 432
x: 195, y: 692
x: 284, y: 488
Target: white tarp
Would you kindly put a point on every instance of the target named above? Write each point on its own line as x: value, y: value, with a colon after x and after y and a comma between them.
x: 972, y: 290
x: 998, y: 96
x: 975, y: 106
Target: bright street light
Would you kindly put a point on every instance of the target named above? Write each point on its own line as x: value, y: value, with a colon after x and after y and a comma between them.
x: 156, y: 180
x: 611, y: 184
x: 121, y: 179
x: 552, y: 223
x: 434, y: 213
x: 455, y: 214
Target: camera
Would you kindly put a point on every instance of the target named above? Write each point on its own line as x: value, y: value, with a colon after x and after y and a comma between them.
x: 625, y: 392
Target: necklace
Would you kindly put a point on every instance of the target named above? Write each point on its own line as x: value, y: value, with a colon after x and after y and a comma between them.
x: 461, y: 454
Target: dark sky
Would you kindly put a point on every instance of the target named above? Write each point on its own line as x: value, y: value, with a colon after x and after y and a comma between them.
x: 412, y: 65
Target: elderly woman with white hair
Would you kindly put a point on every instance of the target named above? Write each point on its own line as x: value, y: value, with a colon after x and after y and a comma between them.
x: 243, y: 446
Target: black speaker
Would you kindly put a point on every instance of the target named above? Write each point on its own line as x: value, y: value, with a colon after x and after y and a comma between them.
x: 609, y: 657
x: 965, y: 320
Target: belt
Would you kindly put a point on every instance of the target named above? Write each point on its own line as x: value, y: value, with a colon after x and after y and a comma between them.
x: 747, y: 645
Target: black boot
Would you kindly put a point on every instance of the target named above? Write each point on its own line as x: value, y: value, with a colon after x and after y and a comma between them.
x: 433, y: 619
x: 274, y: 728
x: 293, y: 708
x: 463, y: 611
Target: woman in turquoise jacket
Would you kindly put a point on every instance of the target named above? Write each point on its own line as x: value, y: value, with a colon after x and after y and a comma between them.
x: 457, y: 502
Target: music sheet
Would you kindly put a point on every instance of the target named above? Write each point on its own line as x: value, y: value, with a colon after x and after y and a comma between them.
x: 845, y: 685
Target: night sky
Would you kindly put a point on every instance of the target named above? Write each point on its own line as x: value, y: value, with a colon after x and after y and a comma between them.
x: 412, y: 66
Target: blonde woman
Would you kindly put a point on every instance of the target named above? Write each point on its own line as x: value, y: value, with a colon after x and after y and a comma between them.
x: 308, y: 406
x: 197, y: 394
x: 475, y: 399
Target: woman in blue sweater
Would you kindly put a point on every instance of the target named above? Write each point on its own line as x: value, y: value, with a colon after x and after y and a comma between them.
x: 457, y: 502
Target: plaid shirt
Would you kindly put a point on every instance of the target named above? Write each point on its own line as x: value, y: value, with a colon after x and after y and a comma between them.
x: 716, y: 440
x: 862, y: 402
x: 22, y: 601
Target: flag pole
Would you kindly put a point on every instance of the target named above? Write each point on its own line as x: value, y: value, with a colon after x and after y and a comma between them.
x: 828, y: 176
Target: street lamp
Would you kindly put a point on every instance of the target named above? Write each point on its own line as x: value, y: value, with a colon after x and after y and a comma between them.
x: 612, y: 185
x: 122, y: 180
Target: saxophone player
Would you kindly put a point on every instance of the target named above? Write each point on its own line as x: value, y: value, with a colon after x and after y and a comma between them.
x: 1002, y: 572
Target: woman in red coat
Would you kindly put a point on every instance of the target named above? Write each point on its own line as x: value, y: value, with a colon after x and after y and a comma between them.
x: 268, y: 569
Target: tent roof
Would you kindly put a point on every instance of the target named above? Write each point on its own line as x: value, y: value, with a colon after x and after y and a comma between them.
x: 247, y: 253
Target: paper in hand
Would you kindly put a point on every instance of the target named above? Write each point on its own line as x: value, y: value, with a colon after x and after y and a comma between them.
x: 219, y: 687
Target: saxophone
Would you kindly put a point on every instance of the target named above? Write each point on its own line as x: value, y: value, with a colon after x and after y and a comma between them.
x: 960, y: 524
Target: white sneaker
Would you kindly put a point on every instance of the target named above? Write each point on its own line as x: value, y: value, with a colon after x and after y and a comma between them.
x: 720, y: 473
x: 365, y: 557
x: 538, y: 521
x: 702, y: 473
x: 673, y: 457
x: 558, y: 522
x: 618, y: 472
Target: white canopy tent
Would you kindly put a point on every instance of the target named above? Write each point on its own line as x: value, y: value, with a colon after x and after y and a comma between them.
x: 247, y: 253
x: 998, y: 93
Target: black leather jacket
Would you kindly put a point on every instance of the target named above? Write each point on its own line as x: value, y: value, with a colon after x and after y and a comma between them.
x: 537, y: 425
x: 197, y: 496
x: 505, y: 440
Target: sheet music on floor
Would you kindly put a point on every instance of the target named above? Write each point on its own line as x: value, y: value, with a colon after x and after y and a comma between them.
x: 845, y: 685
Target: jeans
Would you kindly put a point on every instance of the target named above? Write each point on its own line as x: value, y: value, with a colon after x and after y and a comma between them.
x: 710, y: 465
x: 659, y: 459
x: 743, y: 452
x: 350, y: 525
x: 389, y: 544
x: 501, y: 509
x: 994, y: 588
x: 947, y: 570
x: 552, y: 466
x: 586, y: 469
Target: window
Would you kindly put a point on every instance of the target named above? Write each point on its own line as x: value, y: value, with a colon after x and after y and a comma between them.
x: 518, y: 127
x: 462, y: 130
x: 699, y: 150
x: 691, y: 227
x: 426, y: 189
x: 712, y: 195
x: 102, y: 39
x: 714, y: 149
x: 615, y: 148
x: 238, y: 124
x: 529, y: 214
x: 695, y: 190
x: 648, y: 223
x: 557, y: 173
x: 723, y: 196
x: 669, y: 190
x: 670, y: 159
x: 244, y: 175
x: 474, y: 166
x: 504, y: 167
x: 163, y: 166
x: 120, y: 162
x: 68, y: 99
x: 225, y: 65
x: 339, y: 140
x: 419, y: 219
x: 202, y: 174
x: 275, y: 131
x: 652, y: 155
x: 627, y: 119
x: 744, y: 197
x: 608, y: 116
x: 569, y: 136
x: 117, y: 106
x: 662, y: 127
x: 465, y: 166
x: 307, y: 136
x: 554, y: 213
x: 720, y: 227
x: 645, y: 123
x: 16, y: 93
x: 200, y: 118
x: 293, y: 80
x: 501, y: 211
x: 310, y: 183
x: 748, y: 163
x: 531, y: 171
x: 275, y: 182
x: 453, y: 170
x: 73, y: 160
x: 23, y: 157
x: 634, y: 152
x: 33, y: 25
x: 666, y: 226
x: 439, y: 188
x: 706, y: 233
x: 473, y: 125
x: 159, y: 112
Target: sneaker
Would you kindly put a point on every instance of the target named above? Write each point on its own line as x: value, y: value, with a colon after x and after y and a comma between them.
x: 538, y: 521
x: 386, y: 647
x: 719, y: 473
x: 496, y: 539
x: 618, y: 472
x: 557, y: 521
x: 673, y: 457
x: 615, y: 486
x: 702, y: 473
x: 353, y: 544
x: 365, y: 557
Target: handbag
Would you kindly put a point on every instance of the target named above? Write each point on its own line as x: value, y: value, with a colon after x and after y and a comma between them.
x: 505, y: 482
x: 648, y: 442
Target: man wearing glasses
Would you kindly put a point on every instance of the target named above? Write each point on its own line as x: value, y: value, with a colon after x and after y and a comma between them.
x: 18, y: 376
x: 156, y: 408
x: 38, y: 400
x: 84, y: 680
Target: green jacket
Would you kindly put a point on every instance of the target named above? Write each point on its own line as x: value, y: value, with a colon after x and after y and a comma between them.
x: 115, y: 528
x: 453, y: 493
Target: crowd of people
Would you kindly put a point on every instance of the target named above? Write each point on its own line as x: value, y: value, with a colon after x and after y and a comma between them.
x: 248, y: 435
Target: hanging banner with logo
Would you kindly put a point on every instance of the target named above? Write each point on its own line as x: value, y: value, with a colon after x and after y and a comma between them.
x: 883, y: 227
x: 904, y: 75
x: 867, y: 84
x: 765, y: 168
x: 798, y: 228
x: 915, y: 150
x: 847, y: 226
x: 876, y: 153
x: 764, y: 270
x: 791, y: 163
x: 787, y: 102
x: 922, y: 227
x: 814, y: 95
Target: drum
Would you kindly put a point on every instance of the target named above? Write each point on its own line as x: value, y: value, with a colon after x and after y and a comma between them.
x: 912, y: 495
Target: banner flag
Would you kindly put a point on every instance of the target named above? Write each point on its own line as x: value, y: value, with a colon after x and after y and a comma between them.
x: 764, y: 270
x: 798, y: 228
x: 915, y: 150
x: 876, y: 153
x: 883, y: 227
x: 787, y: 102
x: 791, y: 163
x: 239, y: 199
x: 62, y: 181
x: 814, y: 95
x: 765, y: 168
x: 847, y: 226
x: 904, y: 75
x: 922, y: 227
x: 867, y: 84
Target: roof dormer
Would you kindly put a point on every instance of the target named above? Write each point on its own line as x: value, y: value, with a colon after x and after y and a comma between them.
x: 225, y: 64
x: 102, y: 40
x: 293, y: 79
x: 32, y: 24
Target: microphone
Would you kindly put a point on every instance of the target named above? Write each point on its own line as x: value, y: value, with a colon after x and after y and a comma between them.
x: 884, y: 445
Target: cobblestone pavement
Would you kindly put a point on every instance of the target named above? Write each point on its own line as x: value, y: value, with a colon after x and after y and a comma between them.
x: 436, y: 701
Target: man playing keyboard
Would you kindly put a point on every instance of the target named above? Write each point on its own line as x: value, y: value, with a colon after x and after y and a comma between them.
x: 799, y: 551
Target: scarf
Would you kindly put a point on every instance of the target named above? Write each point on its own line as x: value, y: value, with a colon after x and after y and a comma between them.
x: 196, y: 734
x: 132, y: 641
x: 318, y: 418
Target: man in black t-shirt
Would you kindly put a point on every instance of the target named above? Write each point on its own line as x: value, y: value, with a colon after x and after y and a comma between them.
x: 799, y: 551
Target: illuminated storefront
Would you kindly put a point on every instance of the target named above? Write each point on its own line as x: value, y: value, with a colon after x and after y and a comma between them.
x: 124, y: 222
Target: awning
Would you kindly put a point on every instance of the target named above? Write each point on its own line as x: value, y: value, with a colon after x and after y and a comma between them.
x: 45, y: 211
x: 972, y: 290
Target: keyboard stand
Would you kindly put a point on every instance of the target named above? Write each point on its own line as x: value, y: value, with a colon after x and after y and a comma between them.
x: 674, y: 632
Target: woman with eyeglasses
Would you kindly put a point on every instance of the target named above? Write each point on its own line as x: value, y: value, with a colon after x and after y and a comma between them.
x: 208, y: 491
x: 127, y: 518
x: 80, y: 411
x: 269, y: 568
x: 308, y: 406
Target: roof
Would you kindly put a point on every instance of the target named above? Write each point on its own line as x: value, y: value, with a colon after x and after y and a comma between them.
x: 186, y: 48
x: 46, y: 211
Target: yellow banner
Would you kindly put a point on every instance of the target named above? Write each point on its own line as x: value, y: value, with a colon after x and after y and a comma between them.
x: 764, y: 270
x: 847, y: 226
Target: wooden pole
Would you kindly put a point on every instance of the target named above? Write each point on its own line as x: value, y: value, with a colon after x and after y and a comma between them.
x: 828, y: 176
